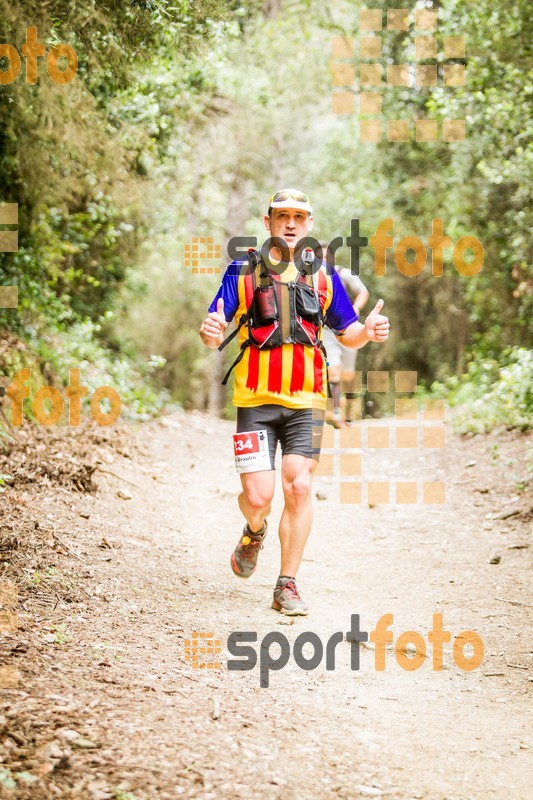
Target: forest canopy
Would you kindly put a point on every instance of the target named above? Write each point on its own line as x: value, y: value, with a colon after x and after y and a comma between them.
x: 184, y: 117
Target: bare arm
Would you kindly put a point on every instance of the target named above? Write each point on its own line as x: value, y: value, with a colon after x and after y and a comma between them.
x: 354, y: 336
x: 375, y: 329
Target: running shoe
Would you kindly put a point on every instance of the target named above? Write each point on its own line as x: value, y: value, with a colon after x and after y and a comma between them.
x: 287, y: 599
x: 244, y: 557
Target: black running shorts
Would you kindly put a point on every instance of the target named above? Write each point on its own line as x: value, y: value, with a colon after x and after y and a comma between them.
x: 299, y: 431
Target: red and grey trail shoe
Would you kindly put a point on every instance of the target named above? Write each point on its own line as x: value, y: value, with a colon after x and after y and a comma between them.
x: 287, y: 599
x: 244, y: 557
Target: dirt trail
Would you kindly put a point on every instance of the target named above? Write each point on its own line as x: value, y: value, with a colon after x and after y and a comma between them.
x: 107, y: 707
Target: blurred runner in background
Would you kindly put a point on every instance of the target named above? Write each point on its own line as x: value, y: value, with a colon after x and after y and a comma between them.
x: 342, y: 359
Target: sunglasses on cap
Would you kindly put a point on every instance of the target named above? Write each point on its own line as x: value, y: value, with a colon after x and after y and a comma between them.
x: 290, y: 198
x: 289, y: 194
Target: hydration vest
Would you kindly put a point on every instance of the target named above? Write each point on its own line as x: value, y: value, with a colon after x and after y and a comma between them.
x: 268, y: 299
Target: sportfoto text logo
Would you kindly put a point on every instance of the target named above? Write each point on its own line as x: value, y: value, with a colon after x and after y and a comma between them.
x: 410, y: 252
x: 32, y: 50
x: 18, y: 390
x: 410, y: 650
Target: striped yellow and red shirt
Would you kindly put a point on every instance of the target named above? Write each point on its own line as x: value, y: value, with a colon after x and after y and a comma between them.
x: 293, y: 375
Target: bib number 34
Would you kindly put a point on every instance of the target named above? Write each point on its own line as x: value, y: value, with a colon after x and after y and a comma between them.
x: 251, y: 451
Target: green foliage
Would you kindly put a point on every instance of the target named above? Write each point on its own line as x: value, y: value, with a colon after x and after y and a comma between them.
x: 185, y: 116
x: 82, y: 162
x: 79, y: 348
x: 61, y: 634
x: 6, y: 779
x: 490, y: 395
x: 479, y: 187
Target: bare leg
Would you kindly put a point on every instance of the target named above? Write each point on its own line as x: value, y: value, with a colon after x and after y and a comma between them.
x: 297, y: 517
x: 334, y: 374
x: 351, y: 387
x: 255, y: 499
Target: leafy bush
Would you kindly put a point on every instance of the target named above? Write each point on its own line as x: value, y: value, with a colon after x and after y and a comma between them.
x: 52, y: 354
x: 492, y: 396
x: 131, y: 378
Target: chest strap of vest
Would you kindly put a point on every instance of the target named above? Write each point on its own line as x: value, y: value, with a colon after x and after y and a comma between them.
x: 244, y: 345
x: 259, y: 271
x: 254, y: 261
x: 232, y: 336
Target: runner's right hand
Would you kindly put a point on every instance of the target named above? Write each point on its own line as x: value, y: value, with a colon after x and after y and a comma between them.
x: 213, y: 326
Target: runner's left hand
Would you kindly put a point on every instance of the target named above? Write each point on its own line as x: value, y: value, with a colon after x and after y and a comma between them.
x: 377, y: 325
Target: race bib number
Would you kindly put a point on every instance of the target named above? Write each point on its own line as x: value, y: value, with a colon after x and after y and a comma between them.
x: 251, y: 451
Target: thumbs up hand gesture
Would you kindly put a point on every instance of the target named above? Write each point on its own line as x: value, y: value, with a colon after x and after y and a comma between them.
x: 213, y: 326
x: 377, y: 325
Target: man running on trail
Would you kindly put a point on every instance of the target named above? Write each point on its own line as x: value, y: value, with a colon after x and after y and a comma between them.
x: 281, y: 379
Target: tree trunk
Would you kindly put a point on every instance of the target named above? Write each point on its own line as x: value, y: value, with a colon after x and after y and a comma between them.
x: 217, y: 393
x: 461, y: 335
x: 271, y: 8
